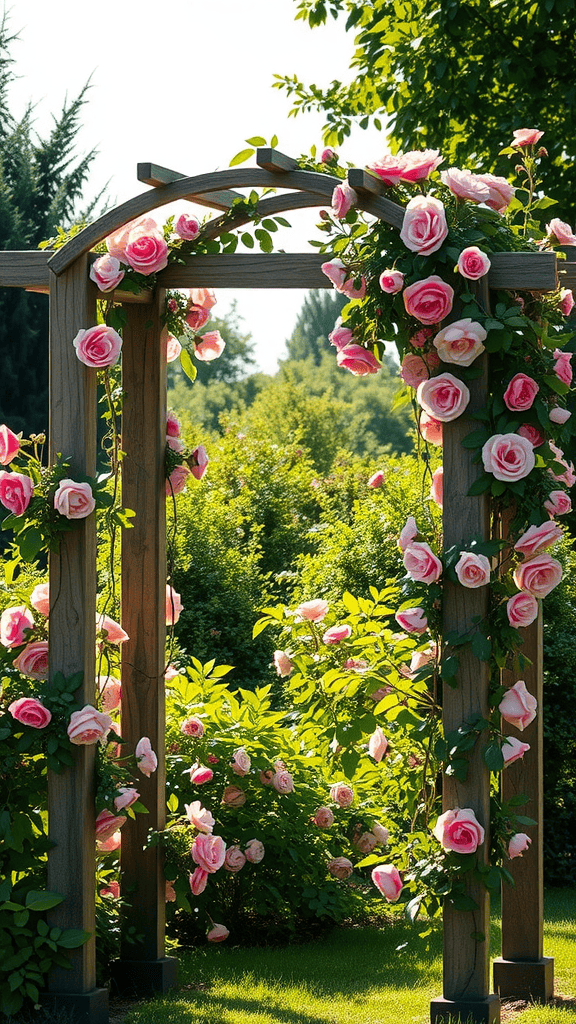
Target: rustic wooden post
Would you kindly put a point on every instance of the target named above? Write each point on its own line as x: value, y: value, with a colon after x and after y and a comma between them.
x: 72, y: 645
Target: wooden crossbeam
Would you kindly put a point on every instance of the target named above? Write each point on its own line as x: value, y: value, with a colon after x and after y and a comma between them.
x: 155, y: 175
x: 273, y: 160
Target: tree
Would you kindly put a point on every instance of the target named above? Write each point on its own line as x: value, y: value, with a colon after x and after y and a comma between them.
x: 448, y: 71
x: 320, y: 310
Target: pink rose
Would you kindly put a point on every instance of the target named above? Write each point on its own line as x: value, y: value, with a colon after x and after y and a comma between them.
x: 98, y: 346
x: 521, y: 609
x: 431, y: 429
x: 558, y: 503
x: 15, y: 623
x: 408, y: 533
x: 340, y: 337
x: 567, y: 301
x: 199, y: 817
x: 387, y: 880
x: 254, y: 851
x: 538, y: 538
x: 30, y: 711
x: 169, y: 892
x: 416, y: 368
x: 234, y: 860
x: 535, y: 436
x: 192, y: 727
x: 200, y: 775
x: 208, y: 852
x: 443, y: 397
x: 365, y: 843
x: 560, y: 232
x: 145, y: 756
x: 508, y: 456
x: 412, y: 620
x: 146, y: 253
x: 112, y: 889
x: 562, y: 367
x: 391, y: 281
x: 419, y: 339
x: 390, y: 168
x: 173, y: 427
x: 465, y: 185
x: 312, y: 611
x: 112, y: 843
x: 126, y: 796
x: 417, y: 165
x: 9, y: 445
x: 173, y: 348
x: 113, y: 632
x: 381, y: 833
x: 241, y: 762
x: 421, y: 658
x: 340, y: 867
x: 202, y: 297
x: 175, y: 444
x: 196, y: 317
x: 459, y: 830
x: 233, y: 796
x: 460, y: 342
x: 559, y: 415
x: 341, y: 794
x: 337, y: 633
x: 518, y: 707
x: 16, y: 491
x: 266, y: 776
x: 174, y: 606
x: 282, y: 663
x: 518, y: 844
x: 343, y: 279
x: 198, y: 462
x: 283, y: 781
x: 513, y: 749
x: 437, y: 486
x: 327, y: 155
x: 360, y: 361
x: 187, y: 227
x: 501, y: 193
x: 210, y: 346
x: 74, y: 501
x: 355, y: 665
x: 520, y: 393
x: 377, y: 479
x: 424, y: 227
x: 539, y: 576
x: 343, y: 199
x: 116, y: 242
x: 472, y: 570
x: 40, y: 598
x: 567, y: 476
x: 197, y: 881
x: 217, y: 933
x: 33, y: 660
x: 526, y: 137
x: 429, y: 300
x: 177, y: 480
x: 106, y: 273
x: 377, y: 744
x: 421, y: 563
x: 107, y: 824
x: 88, y: 726
x: 473, y: 263
x: 323, y: 818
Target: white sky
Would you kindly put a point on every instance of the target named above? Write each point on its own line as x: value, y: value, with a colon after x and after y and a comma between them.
x: 183, y: 83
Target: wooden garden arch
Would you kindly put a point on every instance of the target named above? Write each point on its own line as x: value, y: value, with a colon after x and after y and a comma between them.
x: 64, y: 274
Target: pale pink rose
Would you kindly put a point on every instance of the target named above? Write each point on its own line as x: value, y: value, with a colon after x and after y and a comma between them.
x: 501, y: 192
x: 174, y: 606
x: 341, y: 794
x: 145, y: 756
x: 200, y: 774
x: 526, y: 137
x: 429, y: 300
x: 538, y: 538
x: 412, y: 620
x: 203, y: 297
x: 234, y: 860
x: 177, y: 480
x: 173, y: 348
x: 390, y: 168
x: 283, y: 781
x: 562, y: 367
x: 421, y: 658
x: 111, y: 844
x: 192, y: 727
x: 539, y: 576
x: 387, y: 880
x: 107, y: 824
x: 521, y: 609
x: 240, y: 762
x: 340, y: 867
x: 535, y: 436
x: 208, y: 852
x: 73, y: 500
x: 437, y: 486
x: 508, y: 456
x: 417, y: 165
x: 126, y: 796
x: 9, y: 445
x: 559, y: 415
x: 88, y: 726
x: 431, y: 429
x: 459, y: 830
x: 419, y: 339
x: 416, y: 368
x: 16, y: 490
x: 146, y: 253
x: 443, y: 397
x: 175, y: 444
x: 30, y: 711
x: 198, y: 462
x: 518, y: 707
x: 421, y: 563
x: 391, y: 281
x: 520, y: 393
x: 460, y: 342
x: 424, y: 227
x: 282, y: 663
x: 343, y: 279
x: 377, y: 479
x: 112, y: 889
x: 518, y: 844
x: 217, y: 933
x: 327, y: 155
x: 197, y: 317
x: 169, y: 892
x: 187, y: 227
x: 233, y: 796
x: 40, y: 598
x: 199, y: 817
x: 365, y: 843
x: 198, y: 881
x: 210, y: 346
x: 358, y: 360
x: 337, y: 633
x: 33, y: 660
x: 567, y: 476
x: 254, y: 851
x: 15, y: 624
x: 558, y: 503
x: 106, y: 273
x: 341, y: 336
x: 566, y: 301
x: 472, y: 570
x: 343, y: 199
x: 513, y: 749
x: 473, y: 263
x: 560, y: 232
x: 98, y: 346
x: 381, y: 833
x: 323, y: 818
x: 465, y: 185
x: 116, y: 242
x: 112, y: 630
x: 312, y: 611
x: 408, y: 533
x: 377, y: 744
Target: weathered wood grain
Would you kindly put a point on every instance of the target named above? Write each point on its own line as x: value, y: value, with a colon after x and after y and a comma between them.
x: 273, y: 160
x: 533, y: 271
x: 247, y: 270
x: 153, y: 174
x: 25, y: 268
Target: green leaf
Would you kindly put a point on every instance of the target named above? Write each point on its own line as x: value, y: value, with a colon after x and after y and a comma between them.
x: 461, y: 901
x: 480, y: 485
x: 73, y: 937
x: 350, y: 759
x: 188, y: 365
x: 556, y: 385
x: 493, y: 758
x: 247, y: 239
x: 30, y: 543
x: 449, y: 667
x: 38, y: 900
x: 172, y: 803
x: 242, y: 157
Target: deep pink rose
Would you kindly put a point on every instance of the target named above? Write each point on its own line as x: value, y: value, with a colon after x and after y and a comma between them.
x: 518, y: 844
x: 196, y: 317
x: 431, y: 429
x: 198, y: 462
x: 327, y: 155
x: 343, y: 199
x: 340, y: 867
x: 173, y: 427
x: 424, y: 227
x: 98, y: 347
x: 416, y: 368
x: 177, y: 480
x: 501, y: 193
x: 217, y: 933
x: 360, y: 361
x: 323, y: 818
x: 116, y: 242
x: 473, y: 263
x: 208, y: 852
x: 437, y: 486
x: 9, y: 445
x: 146, y: 253
x: 520, y: 393
x: 114, y: 634
x: 126, y: 796
x: 518, y: 707
x: 343, y: 279
x: 521, y: 609
x: 210, y: 346
x: 282, y: 663
x: 539, y: 576
x: 202, y: 297
x: 107, y: 824
x: 508, y: 456
x: 538, y: 538
x: 74, y: 500
x: 558, y: 503
x: 418, y: 164
x: 15, y: 623
x: 200, y: 774
x: 88, y: 726
x: 560, y: 232
x: 234, y: 860
x: 559, y: 415
x: 106, y: 273
x: 377, y: 479
x: 377, y: 744
x: 199, y: 817
x: 313, y: 611
x: 465, y: 185
x: 422, y: 564
x: 526, y: 137
x: 16, y: 490
x: 429, y: 300
x: 473, y: 570
x: 513, y: 749
x: 282, y: 781
x: 187, y: 227
x: 412, y: 620
x: 233, y: 796
x: 340, y: 337
x: 567, y: 301
x: 562, y: 367
x: 342, y: 794
x: 337, y: 633
x: 40, y: 598
x: 33, y: 660
x: 174, y: 606
x: 391, y: 281
x: 254, y: 851
x: 193, y: 727
x: 443, y: 397
x: 30, y: 711
x: 112, y: 889
x: 387, y: 880
x: 535, y: 436
x: 460, y: 342
x: 408, y: 533
x: 197, y: 881
x: 459, y: 830
x: 145, y: 756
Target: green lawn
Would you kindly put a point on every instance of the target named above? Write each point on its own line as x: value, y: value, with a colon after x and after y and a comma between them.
x: 353, y: 976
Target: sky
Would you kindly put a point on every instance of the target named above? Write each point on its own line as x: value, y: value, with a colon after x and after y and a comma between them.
x: 182, y: 83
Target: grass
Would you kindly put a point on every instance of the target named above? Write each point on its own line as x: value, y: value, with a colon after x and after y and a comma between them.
x: 352, y: 976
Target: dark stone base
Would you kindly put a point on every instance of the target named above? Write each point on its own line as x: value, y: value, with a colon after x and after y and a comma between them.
x: 141, y: 978
x: 465, y: 1011
x: 86, y: 1007
x: 532, y: 980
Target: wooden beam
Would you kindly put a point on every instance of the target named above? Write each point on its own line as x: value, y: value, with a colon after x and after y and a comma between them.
x: 274, y: 161
x: 531, y: 271
x: 25, y: 268
x: 153, y: 174
x: 247, y: 270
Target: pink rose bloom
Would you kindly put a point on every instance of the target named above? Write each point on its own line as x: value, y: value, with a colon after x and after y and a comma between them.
x: 424, y: 227
x: 107, y: 824
x: 116, y: 242
x: 113, y: 631
x: 558, y: 503
x: 112, y: 889
x: 198, y: 462
x: 199, y: 817
x: 197, y: 881
x: 203, y: 297
x: 343, y: 199
x: 233, y: 796
x: 412, y: 620
x: 377, y: 744
x: 421, y: 658
x: 473, y: 263
x: 200, y: 775
x: 234, y: 860
x: 355, y: 665
x: 518, y: 707
x: 535, y: 436
x: 538, y: 538
x: 419, y: 339
x: 169, y: 892
x: 562, y: 367
x: 197, y: 317
x: 210, y: 346
x: 98, y: 346
x: 389, y: 169
x: 15, y: 623
x: 282, y: 663
x: 111, y: 844
x: 30, y: 711
x: 341, y: 794
x: 312, y: 611
x: 377, y: 479
x: 431, y: 429
x: 175, y: 444
x: 421, y: 563
x: 473, y: 570
x: 539, y: 576
x: 518, y: 844
x: 341, y: 868
x: 208, y: 852
x: 365, y: 843
x: 217, y: 933
x: 187, y: 227
x: 560, y: 232
x: 521, y: 609
x: 429, y: 300
x: 443, y: 397
x: 283, y: 781
x: 460, y: 342
x: 341, y: 336
x: 145, y: 756
x: 110, y: 691
x: 16, y: 490
x: 254, y: 851
x: 381, y: 833
x: 173, y: 427
x: 343, y: 279
x: 387, y: 880
x: 559, y: 415
x: 508, y: 456
x: 327, y: 155
x: 74, y: 501
x: 459, y: 830
x: 192, y: 727
x: 526, y: 137
x: 417, y: 165
x: 360, y: 361
x: 240, y: 762
x: 40, y: 598
x: 567, y: 476
x: 126, y: 796
x: 408, y: 533
x: 177, y: 480
x: 323, y: 818
x: 437, y: 486
x: 416, y: 368
x: 106, y: 273
x: 513, y: 749
x: 391, y: 281
x: 88, y: 726
x: 567, y: 301
x: 33, y: 660
x: 173, y: 348
x: 266, y: 776
x: 174, y: 606
x: 146, y: 253
x: 520, y: 393
x: 465, y: 185
x: 9, y: 445
x: 501, y: 192
x: 337, y: 633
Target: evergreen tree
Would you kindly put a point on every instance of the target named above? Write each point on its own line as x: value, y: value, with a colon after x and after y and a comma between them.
x: 320, y: 310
